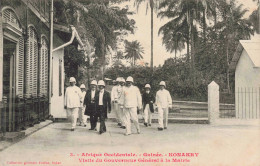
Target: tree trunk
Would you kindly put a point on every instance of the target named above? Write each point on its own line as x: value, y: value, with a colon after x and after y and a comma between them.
x: 204, y: 26
x: 175, y: 55
x: 227, y: 54
x: 152, y: 6
x: 258, y: 18
x: 188, y: 50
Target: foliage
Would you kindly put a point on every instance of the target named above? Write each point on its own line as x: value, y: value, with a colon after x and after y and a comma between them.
x: 133, y: 51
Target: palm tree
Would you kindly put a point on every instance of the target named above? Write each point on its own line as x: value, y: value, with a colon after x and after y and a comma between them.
x: 133, y: 51
x: 258, y: 15
x: 233, y: 27
x: 182, y: 15
x: 154, y: 4
x: 101, y: 31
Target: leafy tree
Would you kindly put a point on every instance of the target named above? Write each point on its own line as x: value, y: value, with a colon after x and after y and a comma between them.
x: 133, y: 51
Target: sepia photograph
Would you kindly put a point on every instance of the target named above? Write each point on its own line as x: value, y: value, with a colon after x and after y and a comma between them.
x: 130, y: 82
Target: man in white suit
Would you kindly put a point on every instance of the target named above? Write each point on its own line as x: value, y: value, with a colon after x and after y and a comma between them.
x: 131, y: 99
x: 163, y: 102
x: 72, y: 103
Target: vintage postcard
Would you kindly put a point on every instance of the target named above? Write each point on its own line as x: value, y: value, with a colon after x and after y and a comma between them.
x: 130, y: 82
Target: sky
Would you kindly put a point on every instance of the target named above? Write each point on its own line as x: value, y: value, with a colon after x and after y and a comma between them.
x: 143, y: 33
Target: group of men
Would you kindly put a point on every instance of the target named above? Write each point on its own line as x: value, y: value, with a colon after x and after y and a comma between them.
x: 126, y: 101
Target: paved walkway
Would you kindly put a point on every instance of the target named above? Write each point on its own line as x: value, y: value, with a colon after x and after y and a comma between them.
x: 214, y: 145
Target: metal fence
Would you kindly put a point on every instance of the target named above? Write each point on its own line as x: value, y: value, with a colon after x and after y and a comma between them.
x: 243, y: 104
x: 24, y: 112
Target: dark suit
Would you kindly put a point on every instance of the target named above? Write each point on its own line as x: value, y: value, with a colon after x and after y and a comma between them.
x: 91, y: 109
x: 102, y: 109
x: 147, y: 99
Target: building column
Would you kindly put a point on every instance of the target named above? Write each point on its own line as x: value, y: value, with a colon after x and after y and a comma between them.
x: 213, y: 102
x: 1, y: 55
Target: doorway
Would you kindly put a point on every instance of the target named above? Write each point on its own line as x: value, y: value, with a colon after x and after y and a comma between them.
x: 9, y: 49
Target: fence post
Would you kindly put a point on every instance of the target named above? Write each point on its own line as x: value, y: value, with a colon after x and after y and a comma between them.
x: 213, y: 102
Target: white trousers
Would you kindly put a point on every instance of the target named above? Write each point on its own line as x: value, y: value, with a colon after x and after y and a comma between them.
x: 119, y: 112
x: 147, y: 114
x: 72, y: 115
x: 82, y: 116
x: 131, y: 113
x: 163, y: 117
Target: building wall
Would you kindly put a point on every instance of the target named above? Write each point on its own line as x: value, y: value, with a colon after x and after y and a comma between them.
x: 57, y: 100
x: 247, y: 84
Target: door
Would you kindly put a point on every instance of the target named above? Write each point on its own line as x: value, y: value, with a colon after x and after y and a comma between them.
x: 9, y: 83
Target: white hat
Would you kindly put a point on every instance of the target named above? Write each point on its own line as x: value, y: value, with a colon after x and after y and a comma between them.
x: 101, y: 82
x: 163, y: 83
x: 122, y: 80
x: 118, y: 79
x: 82, y: 86
x: 147, y: 86
x: 72, y: 79
x: 130, y: 79
x: 94, y: 82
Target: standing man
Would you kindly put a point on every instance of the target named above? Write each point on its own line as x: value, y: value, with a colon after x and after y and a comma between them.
x: 120, y: 104
x: 103, y: 105
x: 116, y: 91
x: 82, y: 116
x: 90, y: 104
x: 163, y: 102
x: 148, y: 100
x: 131, y: 99
x: 73, y: 99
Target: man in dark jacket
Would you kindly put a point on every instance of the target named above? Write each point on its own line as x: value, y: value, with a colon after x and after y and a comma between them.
x: 148, y: 100
x: 90, y: 104
x: 103, y: 104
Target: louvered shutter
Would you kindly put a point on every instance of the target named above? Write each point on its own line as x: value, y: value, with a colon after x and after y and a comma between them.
x: 32, y: 63
x: 10, y: 17
x: 44, y: 68
x: 20, y: 68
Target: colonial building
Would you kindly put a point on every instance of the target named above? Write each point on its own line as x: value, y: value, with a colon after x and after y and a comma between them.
x: 246, y: 64
x: 25, y: 64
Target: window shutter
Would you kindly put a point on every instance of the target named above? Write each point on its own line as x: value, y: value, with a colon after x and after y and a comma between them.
x: 44, y: 68
x: 32, y: 63
x: 20, y: 68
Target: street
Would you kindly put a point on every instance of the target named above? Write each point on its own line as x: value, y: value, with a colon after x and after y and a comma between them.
x: 183, y: 144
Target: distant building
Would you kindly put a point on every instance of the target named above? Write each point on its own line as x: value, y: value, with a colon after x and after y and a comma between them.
x: 24, y: 64
x: 246, y: 64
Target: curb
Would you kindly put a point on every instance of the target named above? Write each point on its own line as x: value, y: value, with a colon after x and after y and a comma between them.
x: 23, y: 134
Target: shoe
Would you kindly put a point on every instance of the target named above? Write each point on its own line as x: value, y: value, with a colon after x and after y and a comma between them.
x: 126, y: 134
x: 138, y: 132
x: 160, y: 128
x: 149, y: 125
x: 91, y: 129
x: 95, y: 129
x: 119, y: 124
x: 123, y: 127
x: 145, y: 124
x: 72, y: 129
x: 165, y: 127
x: 85, y: 125
x: 101, y: 132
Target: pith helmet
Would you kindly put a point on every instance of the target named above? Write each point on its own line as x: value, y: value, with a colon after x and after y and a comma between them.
x: 82, y: 86
x: 101, y: 83
x: 72, y: 79
x: 94, y: 82
x: 162, y: 83
x: 129, y: 79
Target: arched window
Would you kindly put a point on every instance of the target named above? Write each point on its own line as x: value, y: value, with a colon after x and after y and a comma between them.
x: 12, y: 22
x: 32, y: 62
x: 44, y: 67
